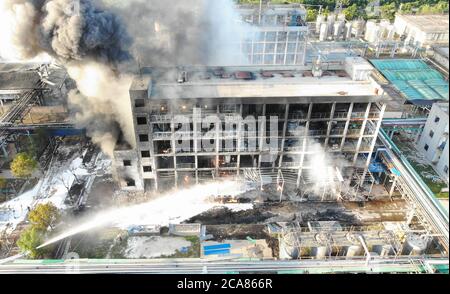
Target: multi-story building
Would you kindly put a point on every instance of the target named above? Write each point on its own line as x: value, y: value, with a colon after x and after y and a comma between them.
x: 422, y: 30
x: 194, y: 124
x: 433, y: 142
x: 277, y: 34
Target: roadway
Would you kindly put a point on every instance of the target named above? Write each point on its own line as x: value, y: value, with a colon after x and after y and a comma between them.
x: 196, y: 266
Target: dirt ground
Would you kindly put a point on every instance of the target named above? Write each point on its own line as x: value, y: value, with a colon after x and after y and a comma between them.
x: 348, y: 214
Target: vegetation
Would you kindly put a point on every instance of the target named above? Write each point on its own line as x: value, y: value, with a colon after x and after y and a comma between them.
x: 44, y: 216
x: 23, y: 165
x: 354, y: 9
x: 193, y: 251
x: 29, y: 240
x: 3, y: 183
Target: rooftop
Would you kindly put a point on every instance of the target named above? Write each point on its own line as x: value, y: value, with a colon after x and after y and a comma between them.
x: 253, y: 81
x: 18, y: 76
x: 415, y: 79
x: 443, y: 107
x: 431, y: 23
x: 442, y: 51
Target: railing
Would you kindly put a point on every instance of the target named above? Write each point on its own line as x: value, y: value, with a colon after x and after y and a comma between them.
x: 337, y: 131
x: 290, y: 164
x: 352, y: 132
x: 317, y: 132
x: 162, y: 135
x: 297, y: 116
x: 340, y: 115
x: 296, y: 148
x: 186, y: 165
x: 320, y: 115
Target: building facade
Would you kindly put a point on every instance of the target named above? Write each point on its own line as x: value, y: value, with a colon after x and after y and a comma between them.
x: 277, y: 34
x: 422, y: 30
x: 433, y: 142
x: 195, y: 124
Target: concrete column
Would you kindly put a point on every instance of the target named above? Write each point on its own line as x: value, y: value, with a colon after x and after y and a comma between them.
x: 197, y: 143
x: 286, y: 118
x: 174, y: 152
x: 305, y: 145
x: 239, y: 142
x: 347, y: 124
x: 327, y: 139
x: 374, y: 140
x: 394, y: 184
x: 263, y: 135
x: 361, y: 133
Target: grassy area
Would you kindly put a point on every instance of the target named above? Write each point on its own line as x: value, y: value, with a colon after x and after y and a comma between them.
x: 425, y: 170
x: 192, y: 252
x: 100, y: 244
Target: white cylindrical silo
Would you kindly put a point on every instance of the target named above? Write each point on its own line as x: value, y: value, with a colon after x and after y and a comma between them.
x: 348, y: 31
x: 358, y: 27
x: 338, y: 29
x: 320, y: 19
x: 288, y: 247
x: 390, y: 32
x: 341, y: 17
x: 415, y: 244
x: 356, y: 248
x: 321, y: 250
x: 323, y: 31
x: 370, y: 26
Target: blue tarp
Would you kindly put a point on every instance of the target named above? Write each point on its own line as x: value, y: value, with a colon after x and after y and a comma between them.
x: 217, y: 252
x: 216, y: 247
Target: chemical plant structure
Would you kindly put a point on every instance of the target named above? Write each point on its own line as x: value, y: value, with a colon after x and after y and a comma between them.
x: 303, y: 124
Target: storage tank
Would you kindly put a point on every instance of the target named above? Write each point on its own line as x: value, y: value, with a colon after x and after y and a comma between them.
x: 338, y: 29
x: 348, y: 31
x: 341, y: 17
x: 330, y: 21
x: 390, y: 32
x: 356, y: 249
x: 288, y: 247
x: 370, y: 27
x: 415, y: 244
x: 320, y: 19
x: 322, y: 249
x: 372, y: 32
x: 383, y: 250
x: 358, y: 27
x: 323, y: 31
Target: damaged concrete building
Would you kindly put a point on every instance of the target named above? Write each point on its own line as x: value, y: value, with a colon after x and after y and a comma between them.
x: 338, y: 107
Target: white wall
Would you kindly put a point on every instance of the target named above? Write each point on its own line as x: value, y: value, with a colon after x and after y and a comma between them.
x: 438, y: 157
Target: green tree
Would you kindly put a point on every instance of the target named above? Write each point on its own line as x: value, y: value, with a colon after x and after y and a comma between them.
x: 44, y: 216
x: 351, y: 12
x: 388, y: 11
x: 23, y: 165
x: 3, y: 183
x: 311, y: 14
x: 29, y: 240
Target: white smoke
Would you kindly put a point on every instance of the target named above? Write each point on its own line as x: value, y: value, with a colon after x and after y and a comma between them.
x: 102, y: 93
x: 322, y: 174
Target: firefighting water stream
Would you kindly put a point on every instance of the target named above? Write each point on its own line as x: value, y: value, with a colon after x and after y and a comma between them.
x: 173, y: 207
